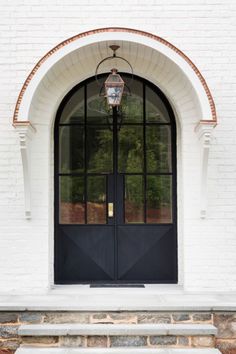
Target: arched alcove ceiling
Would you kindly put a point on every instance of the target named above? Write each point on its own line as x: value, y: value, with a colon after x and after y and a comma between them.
x: 153, y: 58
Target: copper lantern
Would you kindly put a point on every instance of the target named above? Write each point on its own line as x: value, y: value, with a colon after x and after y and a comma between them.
x: 114, y: 87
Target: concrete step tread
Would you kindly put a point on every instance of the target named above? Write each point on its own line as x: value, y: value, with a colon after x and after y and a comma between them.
x: 120, y: 350
x: 116, y: 329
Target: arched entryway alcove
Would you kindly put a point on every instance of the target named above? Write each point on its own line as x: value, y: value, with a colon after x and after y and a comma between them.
x: 153, y: 59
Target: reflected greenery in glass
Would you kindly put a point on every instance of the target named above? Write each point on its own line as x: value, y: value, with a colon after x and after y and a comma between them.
x: 130, y: 150
x: 158, y: 148
x: 71, y: 203
x: 71, y: 151
x: 96, y: 200
x: 159, y: 199
x: 134, y: 199
x: 99, y: 150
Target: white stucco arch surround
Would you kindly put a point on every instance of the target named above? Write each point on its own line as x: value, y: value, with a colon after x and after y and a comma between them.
x: 75, y: 60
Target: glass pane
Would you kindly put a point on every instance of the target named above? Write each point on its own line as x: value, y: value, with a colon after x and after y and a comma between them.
x: 96, y: 200
x: 98, y: 111
x: 71, y: 207
x: 158, y: 148
x: 132, y: 105
x: 71, y: 149
x: 134, y: 199
x: 130, y: 149
x: 73, y: 111
x: 99, y: 150
x: 155, y: 109
x: 159, y: 199
x: 114, y: 95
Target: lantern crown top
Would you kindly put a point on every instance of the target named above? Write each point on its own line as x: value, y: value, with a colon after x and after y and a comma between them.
x: 114, y: 77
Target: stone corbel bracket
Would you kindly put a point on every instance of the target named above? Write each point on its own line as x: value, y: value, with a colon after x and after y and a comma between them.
x: 204, y: 131
x: 25, y: 131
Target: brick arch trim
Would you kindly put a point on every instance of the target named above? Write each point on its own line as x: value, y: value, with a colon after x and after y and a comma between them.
x: 115, y: 29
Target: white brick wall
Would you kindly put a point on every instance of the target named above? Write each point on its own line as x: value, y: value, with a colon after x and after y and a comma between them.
x: 205, y: 30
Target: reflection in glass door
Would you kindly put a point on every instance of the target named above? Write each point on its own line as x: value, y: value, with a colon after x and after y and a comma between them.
x: 115, y: 188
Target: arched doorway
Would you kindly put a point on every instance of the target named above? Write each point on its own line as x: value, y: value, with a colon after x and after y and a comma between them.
x: 115, y: 188
x: 73, y: 61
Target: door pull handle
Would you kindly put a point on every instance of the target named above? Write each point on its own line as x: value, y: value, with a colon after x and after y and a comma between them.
x: 110, y: 210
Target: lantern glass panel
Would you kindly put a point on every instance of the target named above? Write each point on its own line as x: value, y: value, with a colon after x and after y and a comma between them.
x: 114, y: 94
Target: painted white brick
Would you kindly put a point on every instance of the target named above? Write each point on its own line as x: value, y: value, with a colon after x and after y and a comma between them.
x: 205, y: 30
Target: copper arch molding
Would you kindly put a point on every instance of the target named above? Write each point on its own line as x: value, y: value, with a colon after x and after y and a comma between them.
x: 115, y: 29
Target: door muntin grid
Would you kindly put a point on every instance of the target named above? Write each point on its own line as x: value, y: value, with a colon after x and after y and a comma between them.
x: 95, y: 144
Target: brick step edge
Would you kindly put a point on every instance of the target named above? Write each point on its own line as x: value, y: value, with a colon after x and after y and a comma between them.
x: 120, y: 350
x: 116, y: 329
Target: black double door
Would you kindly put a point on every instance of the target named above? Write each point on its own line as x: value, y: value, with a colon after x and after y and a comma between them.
x: 115, y: 189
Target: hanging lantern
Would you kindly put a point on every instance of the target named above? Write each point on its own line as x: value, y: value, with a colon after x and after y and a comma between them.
x: 114, y: 87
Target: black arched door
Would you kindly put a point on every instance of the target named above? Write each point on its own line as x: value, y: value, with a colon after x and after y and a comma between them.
x: 115, y: 188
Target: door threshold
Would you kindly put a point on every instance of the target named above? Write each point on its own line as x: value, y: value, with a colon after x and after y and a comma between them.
x: 117, y: 286
x: 110, y: 289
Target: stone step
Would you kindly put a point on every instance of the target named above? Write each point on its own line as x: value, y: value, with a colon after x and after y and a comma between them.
x: 151, y: 329
x: 36, y: 350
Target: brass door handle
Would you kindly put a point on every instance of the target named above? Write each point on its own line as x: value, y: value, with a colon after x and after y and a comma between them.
x: 110, y: 210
